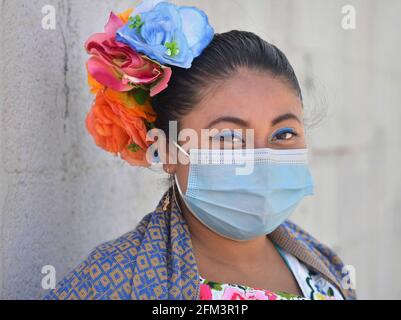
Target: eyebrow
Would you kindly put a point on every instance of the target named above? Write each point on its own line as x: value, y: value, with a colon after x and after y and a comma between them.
x: 243, y: 123
x: 235, y: 120
x: 287, y: 116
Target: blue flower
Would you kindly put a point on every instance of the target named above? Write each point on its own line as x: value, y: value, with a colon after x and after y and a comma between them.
x: 170, y: 34
x: 147, y: 5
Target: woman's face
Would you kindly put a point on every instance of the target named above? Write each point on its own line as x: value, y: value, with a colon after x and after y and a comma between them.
x: 248, y: 100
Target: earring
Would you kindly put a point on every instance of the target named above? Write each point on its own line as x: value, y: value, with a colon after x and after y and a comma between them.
x: 173, y: 184
x: 168, y: 198
x: 174, y: 196
x: 166, y: 202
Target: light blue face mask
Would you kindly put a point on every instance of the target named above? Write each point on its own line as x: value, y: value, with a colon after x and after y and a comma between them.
x: 245, y: 193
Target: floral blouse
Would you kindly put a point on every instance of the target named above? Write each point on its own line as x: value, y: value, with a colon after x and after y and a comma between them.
x: 312, y: 285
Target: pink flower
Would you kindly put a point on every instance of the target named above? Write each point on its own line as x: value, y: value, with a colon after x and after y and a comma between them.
x: 233, y: 294
x: 205, y: 292
x: 260, y: 295
x: 270, y: 295
x: 116, y: 65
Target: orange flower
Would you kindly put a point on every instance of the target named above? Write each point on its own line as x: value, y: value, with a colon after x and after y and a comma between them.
x: 106, y: 127
x: 129, y: 105
x: 137, y: 158
x: 119, y: 126
x: 125, y: 15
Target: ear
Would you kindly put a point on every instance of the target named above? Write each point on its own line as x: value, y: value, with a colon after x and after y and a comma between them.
x: 166, y: 152
x: 169, y: 158
x: 170, y: 168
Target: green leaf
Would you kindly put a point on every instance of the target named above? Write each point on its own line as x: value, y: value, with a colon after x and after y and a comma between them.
x: 136, y: 23
x: 133, y: 147
x: 286, y: 295
x: 214, y: 285
x: 149, y: 125
x: 141, y: 95
x: 172, y: 48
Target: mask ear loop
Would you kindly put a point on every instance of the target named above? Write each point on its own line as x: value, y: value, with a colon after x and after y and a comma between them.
x: 174, y: 182
x: 174, y: 179
x: 181, y: 149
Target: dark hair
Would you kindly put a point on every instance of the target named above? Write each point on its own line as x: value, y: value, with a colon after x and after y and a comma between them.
x: 225, y: 54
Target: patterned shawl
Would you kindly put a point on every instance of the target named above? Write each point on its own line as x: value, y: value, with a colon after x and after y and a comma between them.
x: 156, y: 261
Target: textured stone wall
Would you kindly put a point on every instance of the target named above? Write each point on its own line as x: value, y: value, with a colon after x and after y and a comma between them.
x: 60, y: 195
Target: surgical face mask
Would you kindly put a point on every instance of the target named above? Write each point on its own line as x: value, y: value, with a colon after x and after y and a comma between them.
x: 242, y: 194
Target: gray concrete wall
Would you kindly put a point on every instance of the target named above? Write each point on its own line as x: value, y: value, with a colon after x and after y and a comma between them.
x: 60, y: 195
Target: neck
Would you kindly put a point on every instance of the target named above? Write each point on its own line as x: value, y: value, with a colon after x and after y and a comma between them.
x: 225, y: 251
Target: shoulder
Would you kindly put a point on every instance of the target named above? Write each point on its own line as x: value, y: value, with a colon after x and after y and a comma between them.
x: 325, y: 253
x: 312, y: 243
x: 106, y: 273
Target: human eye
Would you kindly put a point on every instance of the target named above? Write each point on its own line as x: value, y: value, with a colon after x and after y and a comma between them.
x: 229, y: 138
x: 284, y: 134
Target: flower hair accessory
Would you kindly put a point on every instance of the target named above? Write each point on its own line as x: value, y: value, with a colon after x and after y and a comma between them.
x: 129, y: 63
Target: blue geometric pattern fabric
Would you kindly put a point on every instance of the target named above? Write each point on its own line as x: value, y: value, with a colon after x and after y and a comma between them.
x: 156, y: 261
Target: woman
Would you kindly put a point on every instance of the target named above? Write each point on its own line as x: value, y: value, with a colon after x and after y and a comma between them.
x: 216, y: 234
